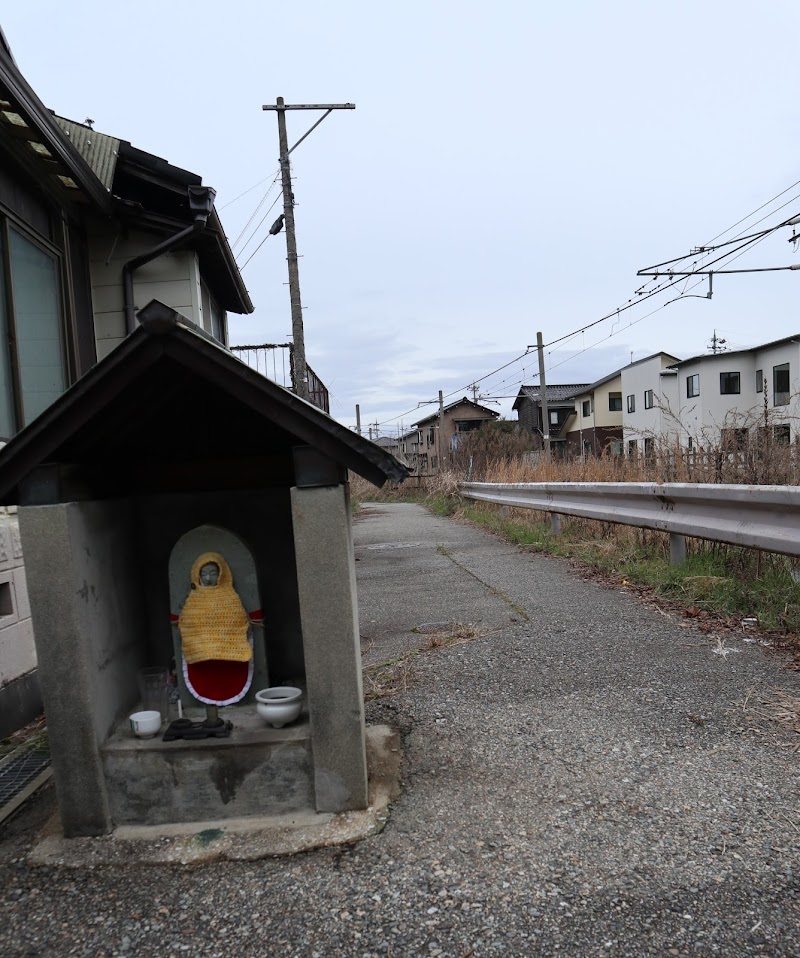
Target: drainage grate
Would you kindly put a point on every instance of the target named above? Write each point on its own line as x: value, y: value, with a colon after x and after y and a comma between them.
x: 21, y: 773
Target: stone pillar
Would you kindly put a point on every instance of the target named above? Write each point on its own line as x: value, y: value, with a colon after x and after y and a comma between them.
x: 329, y: 616
x: 65, y: 673
x: 84, y: 587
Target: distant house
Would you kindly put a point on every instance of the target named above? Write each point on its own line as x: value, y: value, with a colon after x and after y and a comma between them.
x: 597, y: 426
x: 560, y: 410
x: 722, y: 397
x: 651, y: 411
x: 458, y: 419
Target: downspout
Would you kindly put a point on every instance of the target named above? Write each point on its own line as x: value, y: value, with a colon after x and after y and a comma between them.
x: 201, y: 202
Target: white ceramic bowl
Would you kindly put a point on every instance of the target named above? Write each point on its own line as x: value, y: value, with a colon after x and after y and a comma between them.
x: 279, y: 705
x: 145, y: 724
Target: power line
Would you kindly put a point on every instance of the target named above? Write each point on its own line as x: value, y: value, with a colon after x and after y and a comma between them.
x: 253, y: 234
x: 758, y: 210
x: 253, y: 215
x: 747, y: 243
x: 248, y: 190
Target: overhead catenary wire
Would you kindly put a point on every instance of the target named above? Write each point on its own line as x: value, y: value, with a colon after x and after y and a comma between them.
x: 746, y: 243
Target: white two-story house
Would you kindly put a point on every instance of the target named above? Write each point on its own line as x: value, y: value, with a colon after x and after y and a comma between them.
x: 723, y: 397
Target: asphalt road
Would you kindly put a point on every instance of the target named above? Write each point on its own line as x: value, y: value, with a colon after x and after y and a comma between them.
x: 584, y: 776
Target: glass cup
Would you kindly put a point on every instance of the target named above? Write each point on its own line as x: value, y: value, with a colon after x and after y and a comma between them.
x: 154, y: 690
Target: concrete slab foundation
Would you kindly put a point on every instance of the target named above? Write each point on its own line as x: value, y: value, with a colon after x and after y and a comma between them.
x: 241, y: 839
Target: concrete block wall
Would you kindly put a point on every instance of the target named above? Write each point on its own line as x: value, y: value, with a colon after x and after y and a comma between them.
x: 20, y: 699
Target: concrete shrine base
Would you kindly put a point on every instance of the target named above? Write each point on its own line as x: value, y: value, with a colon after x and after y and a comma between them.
x: 257, y: 770
x: 235, y: 839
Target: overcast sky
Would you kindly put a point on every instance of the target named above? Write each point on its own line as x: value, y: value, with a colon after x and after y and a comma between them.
x: 508, y: 168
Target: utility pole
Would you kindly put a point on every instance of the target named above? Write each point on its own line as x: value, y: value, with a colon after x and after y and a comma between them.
x: 440, y: 431
x: 543, y: 397
x: 299, y: 351
x: 358, y: 419
x: 474, y: 388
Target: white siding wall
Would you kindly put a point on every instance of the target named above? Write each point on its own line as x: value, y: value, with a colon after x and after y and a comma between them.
x: 660, y: 421
x: 17, y: 651
x: 173, y: 278
x: 711, y: 411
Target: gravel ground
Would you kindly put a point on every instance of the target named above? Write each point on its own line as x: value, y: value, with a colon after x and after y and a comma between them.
x: 585, y: 778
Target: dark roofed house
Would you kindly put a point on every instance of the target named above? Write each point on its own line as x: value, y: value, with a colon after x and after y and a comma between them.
x: 560, y: 407
x: 91, y: 229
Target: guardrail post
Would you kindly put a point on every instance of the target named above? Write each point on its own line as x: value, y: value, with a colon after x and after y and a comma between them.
x: 555, y: 523
x: 677, y: 549
x: 504, y: 512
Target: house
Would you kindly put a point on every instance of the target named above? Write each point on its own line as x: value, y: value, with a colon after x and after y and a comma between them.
x: 597, y: 426
x: 91, y: 229
x: 650, y: 407
x: 713, y: 399
x: 560, y: 409
x: 408, y: 448
x: 458, y: 419
x: 722, y: 397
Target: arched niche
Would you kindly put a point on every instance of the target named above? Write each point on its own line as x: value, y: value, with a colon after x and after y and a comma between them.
x: 207, y: 538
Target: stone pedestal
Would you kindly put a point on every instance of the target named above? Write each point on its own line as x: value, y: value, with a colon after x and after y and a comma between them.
x: 258, y: 771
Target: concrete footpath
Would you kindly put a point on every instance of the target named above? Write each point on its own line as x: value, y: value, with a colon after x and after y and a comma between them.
x: 584, y: 776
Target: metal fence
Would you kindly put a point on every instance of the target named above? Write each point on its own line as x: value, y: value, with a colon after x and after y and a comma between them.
x: 276, y: 362
x: 761, y: 517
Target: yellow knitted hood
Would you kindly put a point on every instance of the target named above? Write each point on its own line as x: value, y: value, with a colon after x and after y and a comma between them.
x: 213, y: 623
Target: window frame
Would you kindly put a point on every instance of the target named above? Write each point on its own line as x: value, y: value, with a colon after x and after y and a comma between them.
x: 781, y: 367
x: 649, y: 394
x: 759, y: 380
x: 586, y: 408
x: 612, y: 398
x: 693, y: 386
x: 782, y: 434
x: 8, y: 221
x: 632, y: 403
x: 727, y: 379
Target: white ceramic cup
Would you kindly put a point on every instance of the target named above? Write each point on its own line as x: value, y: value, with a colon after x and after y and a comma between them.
x: 145, y: 724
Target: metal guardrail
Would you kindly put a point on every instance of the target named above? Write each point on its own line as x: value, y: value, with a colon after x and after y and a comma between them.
x: 761, y: 517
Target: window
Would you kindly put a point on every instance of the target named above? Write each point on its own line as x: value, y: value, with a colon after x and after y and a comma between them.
x: 554, y: 418
x: 32, y: 372
x: 615, y: 402
x: 587, y: 407
x: 631, y: 403
x: 633, y: 449
x: 649, y: 445
x: 729, y: 384
x: 691, y: 443
x: 780, y: 385
x: 693, y: 386
x: 734, y: 440
x: 782, y: 435
x: 648, y: 400
x: 759, y: 380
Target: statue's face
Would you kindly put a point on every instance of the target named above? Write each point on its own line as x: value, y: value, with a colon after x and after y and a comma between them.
x: 209, y: 574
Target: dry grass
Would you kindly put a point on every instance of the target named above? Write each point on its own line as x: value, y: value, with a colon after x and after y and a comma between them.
x: 386, y: 679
